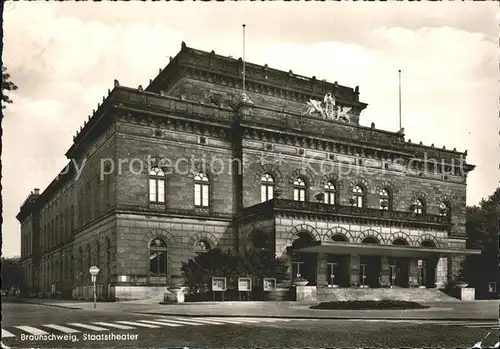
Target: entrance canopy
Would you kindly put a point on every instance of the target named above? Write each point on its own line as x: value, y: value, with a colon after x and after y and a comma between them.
x: 336, y: 247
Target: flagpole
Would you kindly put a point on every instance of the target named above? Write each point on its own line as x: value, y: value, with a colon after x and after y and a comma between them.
x: 399, y: 71
x: 244, y: 58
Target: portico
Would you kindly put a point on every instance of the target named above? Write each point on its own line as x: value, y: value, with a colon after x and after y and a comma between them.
x: 371, y: 265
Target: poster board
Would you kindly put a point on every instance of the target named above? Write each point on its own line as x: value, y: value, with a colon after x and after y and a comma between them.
x: 219, y: 284
x: 492, y: 287
x: 269, y: 284
x: 244, y: 284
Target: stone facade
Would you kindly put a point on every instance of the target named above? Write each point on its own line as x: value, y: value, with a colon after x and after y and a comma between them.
x: 192, y: 119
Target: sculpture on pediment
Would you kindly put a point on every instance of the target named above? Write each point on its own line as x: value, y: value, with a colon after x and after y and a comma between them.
x: 328, y: 109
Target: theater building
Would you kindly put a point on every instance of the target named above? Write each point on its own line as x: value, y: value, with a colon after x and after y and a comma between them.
x: 346, y: 205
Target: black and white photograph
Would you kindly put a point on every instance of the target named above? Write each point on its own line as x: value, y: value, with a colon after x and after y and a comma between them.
x: 243, y: 174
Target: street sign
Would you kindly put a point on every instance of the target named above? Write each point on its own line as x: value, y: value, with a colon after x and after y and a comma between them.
x: 94, y: 270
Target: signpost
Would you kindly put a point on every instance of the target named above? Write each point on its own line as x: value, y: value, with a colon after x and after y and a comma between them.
x: 244, y: 285
x: 93, y: 270
x: 219, y: 284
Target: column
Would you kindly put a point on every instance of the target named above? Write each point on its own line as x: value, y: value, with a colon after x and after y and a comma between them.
x: 288, y: 271
x: 413, y: 273
x: 354, y: 270
x: 441, y: 272
x: 321, y: 270
x: 384, y: 272
x: 454, y: 268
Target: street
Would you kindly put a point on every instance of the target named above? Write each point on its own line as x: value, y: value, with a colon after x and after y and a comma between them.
x: 22, y: 323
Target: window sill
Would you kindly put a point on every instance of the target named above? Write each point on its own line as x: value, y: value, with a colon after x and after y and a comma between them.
x: 157, y: 206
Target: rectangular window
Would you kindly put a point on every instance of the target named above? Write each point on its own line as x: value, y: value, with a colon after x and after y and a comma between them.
x: 201, y: 195
x: 152, y: 190
x: 299, y: 194
x: 266, y: 192
x: 359, y: 201
x: 205, y: 196
x: 197, y: 194
x: 161, y: 191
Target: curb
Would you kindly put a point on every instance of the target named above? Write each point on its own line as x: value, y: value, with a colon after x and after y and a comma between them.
x: 318, y: 317
x: 47, y: 305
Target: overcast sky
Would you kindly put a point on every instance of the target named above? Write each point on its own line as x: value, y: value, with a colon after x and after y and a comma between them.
x: 64, y: 57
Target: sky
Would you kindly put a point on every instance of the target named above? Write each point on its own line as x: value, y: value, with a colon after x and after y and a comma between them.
x: 64, y: 57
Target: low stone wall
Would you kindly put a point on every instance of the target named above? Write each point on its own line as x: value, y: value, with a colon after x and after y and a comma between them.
x: 87, y: 292
x: 136, y: 292
x: 325, y: 294
x: 305, y: 293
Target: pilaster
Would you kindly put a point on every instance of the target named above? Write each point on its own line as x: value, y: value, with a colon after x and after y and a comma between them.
x: 384, y: 272
x: 354, y: 270
x: 413, y: 272
x: 321, y: 276
x: 441, y: 272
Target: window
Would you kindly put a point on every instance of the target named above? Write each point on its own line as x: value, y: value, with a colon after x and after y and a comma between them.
x: 418, y: 206
x: 299, y: 190
x: 201, y: 247
x: 266, y: 187
x: 158, y: 257
x: 357, y: 196
x: 444, y: 210
x: 330, y: 193
x: 157, y: 186
x: 108, y: 255
x: 201, y: 190
x: 89, y: 262
x: 98, y: 255
x: 80, y: 267
x: 384, y: 200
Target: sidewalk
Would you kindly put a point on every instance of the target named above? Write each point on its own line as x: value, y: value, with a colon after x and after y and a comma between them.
x: 453, y: 311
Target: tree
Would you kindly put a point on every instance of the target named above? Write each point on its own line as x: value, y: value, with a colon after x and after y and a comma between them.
x: 483, y: 233
x: 257, y: 261
x: 7, y: 85
x: 12, y: 275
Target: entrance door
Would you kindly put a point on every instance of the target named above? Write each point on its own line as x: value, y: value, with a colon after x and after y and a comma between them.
x: 430, y: 273
x: 370, y: 268
x: 401, y: 271
x: 339, y: 264
x: 304, y: 266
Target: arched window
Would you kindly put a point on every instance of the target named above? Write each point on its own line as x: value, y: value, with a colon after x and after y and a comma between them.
x: 330, y: 193
x: 80, y: 267
x: 357, y: 196
x: 158, y: 257
x: 444, y: 209
x: 384, y: 200
x: 89, y: 261
x: 98, y: 255
x: 201, y: 190
x: 108, y: 255
x: 339, y: 238
x: 266, y: 187
x: 370, y: 240
x: 418, y: 206
x: 157, y: 186
x: 201, y: 247
x: 299, y: 190
x: 400, y: 242
x: 428, y: 244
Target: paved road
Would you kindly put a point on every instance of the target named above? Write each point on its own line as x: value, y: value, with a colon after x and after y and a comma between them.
x: 88, y: 329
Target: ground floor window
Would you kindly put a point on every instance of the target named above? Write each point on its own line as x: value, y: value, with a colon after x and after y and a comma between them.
x: 158, y: 257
